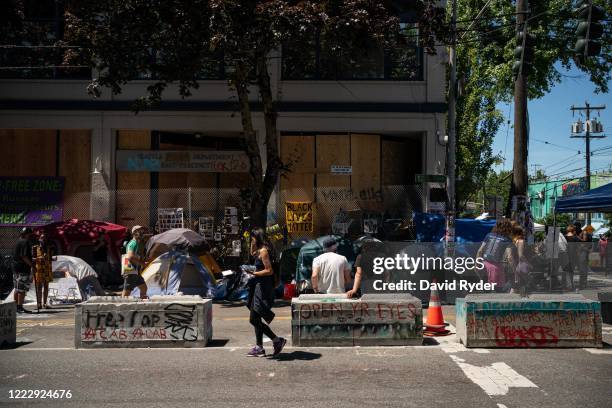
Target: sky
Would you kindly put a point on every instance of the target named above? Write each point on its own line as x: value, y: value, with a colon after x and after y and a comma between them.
x: 550, y: 119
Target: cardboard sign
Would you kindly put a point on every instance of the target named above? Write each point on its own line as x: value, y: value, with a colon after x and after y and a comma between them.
x: 299, y: 216
x: 169, y: 218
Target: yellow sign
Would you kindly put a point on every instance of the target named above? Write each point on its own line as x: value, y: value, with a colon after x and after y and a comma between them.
x: 299, y: 216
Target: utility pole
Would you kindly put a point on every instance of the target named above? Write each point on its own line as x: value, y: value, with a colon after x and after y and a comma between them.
x: 452, y: 132
x: 519, y: 166
x: 587, y: 137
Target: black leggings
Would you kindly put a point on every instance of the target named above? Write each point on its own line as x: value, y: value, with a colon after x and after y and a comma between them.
x: 260, y: 328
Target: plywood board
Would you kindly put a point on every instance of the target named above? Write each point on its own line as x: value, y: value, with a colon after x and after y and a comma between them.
x: 133, y: 188
x: 331, y: 189
x: 32, y: 152
x: 299, y: 153
x: 133, y: 139
x: 365, y: 162
x: 75, y: 165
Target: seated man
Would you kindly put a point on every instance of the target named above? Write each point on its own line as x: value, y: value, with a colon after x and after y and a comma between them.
x: 331, y: 272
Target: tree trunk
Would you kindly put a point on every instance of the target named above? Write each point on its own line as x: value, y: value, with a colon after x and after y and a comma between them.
x: 251, y: 147
x: 273, y: 164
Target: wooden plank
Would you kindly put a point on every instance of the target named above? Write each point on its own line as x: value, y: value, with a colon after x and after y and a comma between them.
x: 133, y: 188
x: 75, y: 165
x: 365, y: 162
x: 33, y: 152
x: 331, y: 150
x: 133, y: 139
x: 297, y: 185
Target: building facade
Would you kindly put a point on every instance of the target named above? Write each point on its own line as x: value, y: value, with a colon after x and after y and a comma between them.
x: 355, y: 137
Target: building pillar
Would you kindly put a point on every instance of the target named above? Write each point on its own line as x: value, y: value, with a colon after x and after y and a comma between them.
x: 102, y: 203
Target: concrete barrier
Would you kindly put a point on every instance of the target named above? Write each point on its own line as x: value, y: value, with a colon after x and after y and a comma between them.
x: 8, y: 323
x: 606, y: 306
x: 162, y: 321
x: 373, y: 320
x: 507, y: 320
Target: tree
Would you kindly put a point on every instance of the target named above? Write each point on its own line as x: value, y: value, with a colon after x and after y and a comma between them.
x: 484, y: 68
x: 177, y: 41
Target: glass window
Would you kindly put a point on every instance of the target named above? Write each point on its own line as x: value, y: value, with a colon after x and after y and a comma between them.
x: 35, y: 54
x: 315, y: 59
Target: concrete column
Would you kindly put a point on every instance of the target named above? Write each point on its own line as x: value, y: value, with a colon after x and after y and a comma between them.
x: 102, y: 203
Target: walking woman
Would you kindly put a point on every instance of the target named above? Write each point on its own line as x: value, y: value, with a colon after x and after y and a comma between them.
x: 261, y: 294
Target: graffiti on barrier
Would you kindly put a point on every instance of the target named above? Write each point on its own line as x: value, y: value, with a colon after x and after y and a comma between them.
x: 7, y: 321
x: 532, y: 328
x: 176, y: 322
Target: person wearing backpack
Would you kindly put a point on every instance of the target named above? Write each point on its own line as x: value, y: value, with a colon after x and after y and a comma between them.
x: 497, y: 252
x: 261, y: 294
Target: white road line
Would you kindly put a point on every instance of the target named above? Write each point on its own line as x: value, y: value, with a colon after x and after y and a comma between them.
x: 598, y: 351
x: 496, y: 379
x: 449, y: 344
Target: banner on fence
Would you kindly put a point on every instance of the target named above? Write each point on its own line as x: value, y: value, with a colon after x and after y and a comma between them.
x: 182, y: 161
x: 169, y: 218
x: 299, y: 216
x: 31, y: 201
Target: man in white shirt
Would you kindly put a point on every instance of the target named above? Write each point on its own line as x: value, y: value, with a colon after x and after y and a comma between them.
x: 331, y: 272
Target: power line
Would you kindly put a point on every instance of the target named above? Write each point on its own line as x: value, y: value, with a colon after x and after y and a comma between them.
x: 553, y: 144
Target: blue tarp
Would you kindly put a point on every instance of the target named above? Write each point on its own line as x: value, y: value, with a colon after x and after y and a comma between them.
x: 596, y: 200
x: 431, y: 228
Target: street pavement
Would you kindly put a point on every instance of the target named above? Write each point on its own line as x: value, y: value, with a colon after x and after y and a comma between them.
x: 440, y: 373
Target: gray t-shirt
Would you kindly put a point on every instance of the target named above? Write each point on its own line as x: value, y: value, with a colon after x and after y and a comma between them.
x: 331, y: 272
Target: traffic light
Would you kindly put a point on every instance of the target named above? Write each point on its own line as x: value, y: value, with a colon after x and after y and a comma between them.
x: 589, y: 29
x: 523, y: 53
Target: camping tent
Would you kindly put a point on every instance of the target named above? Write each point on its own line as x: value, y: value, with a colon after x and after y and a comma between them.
x: 596, y: 200
x: 315, y: 248
x: 177, y: 271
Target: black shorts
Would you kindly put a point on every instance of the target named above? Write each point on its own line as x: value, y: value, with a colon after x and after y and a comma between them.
x: 133, y: 280
x: 22, y: 278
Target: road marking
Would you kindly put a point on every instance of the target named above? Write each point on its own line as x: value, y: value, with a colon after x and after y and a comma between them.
x: 501, y: 406
x: 496, y: 379
x: 450, y: 344
x: 598, y: 351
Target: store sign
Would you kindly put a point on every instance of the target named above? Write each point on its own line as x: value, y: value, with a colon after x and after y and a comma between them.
x: 31, y: 201
x: 182, y: 161
x: 341, y: 170
x: 299, y: 216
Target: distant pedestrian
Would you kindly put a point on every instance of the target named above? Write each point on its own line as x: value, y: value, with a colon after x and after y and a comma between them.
x: 586, y: 236
x: 603, y: 245
x: 261, y: 294
x: 100, y: 257
x: 331, y: 272
x: 133, y: 262
x: 573, y: 251
x: 498, y: 254
x: 22, y: 268
x: 43, y: 254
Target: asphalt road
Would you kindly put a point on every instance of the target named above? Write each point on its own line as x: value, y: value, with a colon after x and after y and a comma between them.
x: 440, y: 373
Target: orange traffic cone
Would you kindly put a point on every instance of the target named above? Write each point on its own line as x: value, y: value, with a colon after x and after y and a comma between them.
x: 435, y: 325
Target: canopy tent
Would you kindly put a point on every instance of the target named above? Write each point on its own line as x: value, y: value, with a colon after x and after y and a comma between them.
x: 182, y: 239
x: 177, y: 271
x: 596, y: 200
x: 79, y: 232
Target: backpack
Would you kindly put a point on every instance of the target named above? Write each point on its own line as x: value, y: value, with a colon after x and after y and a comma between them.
x: 495, y: 247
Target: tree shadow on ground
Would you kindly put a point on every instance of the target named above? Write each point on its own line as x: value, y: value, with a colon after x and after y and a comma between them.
x: 297, y: 355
